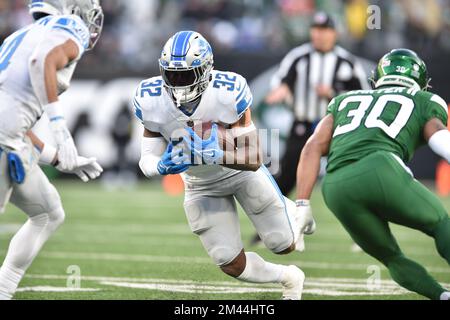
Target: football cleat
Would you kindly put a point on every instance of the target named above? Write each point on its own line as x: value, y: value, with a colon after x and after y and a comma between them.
x: 293, y: 280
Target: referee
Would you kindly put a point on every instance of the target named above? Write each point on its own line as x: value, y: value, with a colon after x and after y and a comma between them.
x: 308, y: 78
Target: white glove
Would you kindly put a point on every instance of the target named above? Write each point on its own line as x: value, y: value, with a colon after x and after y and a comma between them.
x: 85, y: 168
x: 305, y: 217
x: 67, y: 152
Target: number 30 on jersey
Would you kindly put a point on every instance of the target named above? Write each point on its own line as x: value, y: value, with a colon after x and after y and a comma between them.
x: 373, y: 119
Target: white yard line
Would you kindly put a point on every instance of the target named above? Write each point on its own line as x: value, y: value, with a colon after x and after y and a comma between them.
x: 205, y: 260
x: 314, y: 286
x: 55, y: 289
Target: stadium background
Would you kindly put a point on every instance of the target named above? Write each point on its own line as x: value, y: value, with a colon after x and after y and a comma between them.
x: 249, y: 37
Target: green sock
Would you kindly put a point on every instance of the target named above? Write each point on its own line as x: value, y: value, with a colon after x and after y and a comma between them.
x: 414, y: 277
x: 442, y: 238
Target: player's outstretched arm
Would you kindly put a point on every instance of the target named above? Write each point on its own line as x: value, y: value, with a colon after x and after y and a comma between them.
x: 45, y: 62
x: 438, y: 138
x: 308, y: 170
x: 246, y: 155
x: 309, y: 165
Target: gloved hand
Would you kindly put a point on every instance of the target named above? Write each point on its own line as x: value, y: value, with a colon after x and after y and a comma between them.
x: 173, y: 161
x: 207, y: 151
x: 86, y: 169
x: 305, y: 217
x: 67, y: 152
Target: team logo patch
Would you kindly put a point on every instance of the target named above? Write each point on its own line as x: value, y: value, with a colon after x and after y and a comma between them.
x: 385, y: 63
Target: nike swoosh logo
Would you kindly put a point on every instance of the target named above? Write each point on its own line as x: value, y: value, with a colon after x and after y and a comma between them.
x: 209, y: 153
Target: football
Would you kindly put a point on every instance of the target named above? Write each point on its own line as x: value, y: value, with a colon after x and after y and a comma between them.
x: 226, y: 140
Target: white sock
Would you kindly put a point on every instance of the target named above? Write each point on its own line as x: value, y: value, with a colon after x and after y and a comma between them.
x: 9, y: 279
x: 259, y: 271
x: 445, y: 295
x: 24, y: 247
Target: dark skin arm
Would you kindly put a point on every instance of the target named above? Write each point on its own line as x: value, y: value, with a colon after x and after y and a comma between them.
x: 317, y: 146
x: 150, y: 134
x: 38, y: 143
x: 246, y: 155
x: 58, y: 58
x: 431, y: 127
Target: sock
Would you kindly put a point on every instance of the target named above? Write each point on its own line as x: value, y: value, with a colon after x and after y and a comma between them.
x: 24, y: 247
x: 442, y: 238
x: 259, y: 271
x: 9, y: 279
x: 414, y: 277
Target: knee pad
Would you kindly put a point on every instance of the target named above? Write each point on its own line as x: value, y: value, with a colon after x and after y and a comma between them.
x: 223, y: 255
x: 277, y: 242
x: 52, y: 219
x: 57, y: 217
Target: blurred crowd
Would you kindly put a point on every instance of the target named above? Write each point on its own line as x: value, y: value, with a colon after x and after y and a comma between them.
x: 135, y: 30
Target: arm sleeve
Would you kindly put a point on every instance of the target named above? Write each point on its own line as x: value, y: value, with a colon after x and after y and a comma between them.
x: 151, y: 152
x: 440, y: 144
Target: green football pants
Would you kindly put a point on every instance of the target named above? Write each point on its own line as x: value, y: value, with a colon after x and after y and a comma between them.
x: 368, y: 194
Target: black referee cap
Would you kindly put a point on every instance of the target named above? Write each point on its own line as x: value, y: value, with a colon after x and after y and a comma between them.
x: 322, y: 20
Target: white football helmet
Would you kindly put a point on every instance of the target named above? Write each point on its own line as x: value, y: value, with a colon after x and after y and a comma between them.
x: 89, y: 11
x: 185, y: 64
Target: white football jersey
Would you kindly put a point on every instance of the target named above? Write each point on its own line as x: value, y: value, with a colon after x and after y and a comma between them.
x: 224, y: 101
x: 15, y: 56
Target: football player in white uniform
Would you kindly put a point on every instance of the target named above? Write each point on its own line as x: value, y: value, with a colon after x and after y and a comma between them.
x: 36, y: 66
x: 190, y: 93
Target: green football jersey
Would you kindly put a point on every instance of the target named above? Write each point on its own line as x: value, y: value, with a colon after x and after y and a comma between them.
x: 390, y: 119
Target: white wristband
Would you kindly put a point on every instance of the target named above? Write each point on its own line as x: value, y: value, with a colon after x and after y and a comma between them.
x: 440, y: 144
x: 149, y: 165
x: 48, y: 154
x: 302, y: 203
x: 151, y: 151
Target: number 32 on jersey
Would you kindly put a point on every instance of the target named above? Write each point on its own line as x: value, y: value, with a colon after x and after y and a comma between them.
x: 373, y: 119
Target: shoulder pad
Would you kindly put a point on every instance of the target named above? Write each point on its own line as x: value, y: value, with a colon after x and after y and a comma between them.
x: 437, y: 99
x: 233, y: 95
x: 144, y: 98
x: 73, y: 25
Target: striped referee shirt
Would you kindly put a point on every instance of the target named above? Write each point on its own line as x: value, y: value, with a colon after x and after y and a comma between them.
x: 304, y: 68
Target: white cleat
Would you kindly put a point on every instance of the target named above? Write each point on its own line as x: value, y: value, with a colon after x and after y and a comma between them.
x: 293, y: 279
x: 445, y: 296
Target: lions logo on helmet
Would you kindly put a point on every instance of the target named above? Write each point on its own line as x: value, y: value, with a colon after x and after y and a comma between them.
x: 89, y: 11
x: 186, y: 63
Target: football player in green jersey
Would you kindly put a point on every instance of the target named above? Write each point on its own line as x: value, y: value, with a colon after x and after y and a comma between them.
x: 368, y: 136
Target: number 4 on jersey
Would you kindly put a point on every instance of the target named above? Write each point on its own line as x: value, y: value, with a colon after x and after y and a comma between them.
x: 8, y: 48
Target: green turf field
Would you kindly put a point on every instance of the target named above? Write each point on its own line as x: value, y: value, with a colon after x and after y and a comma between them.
x: 136, y: 244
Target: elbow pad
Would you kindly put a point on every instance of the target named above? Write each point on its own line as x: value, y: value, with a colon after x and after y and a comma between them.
x: 440, y: 144
x: 151, y: 152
